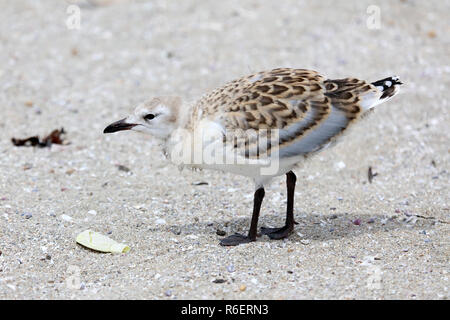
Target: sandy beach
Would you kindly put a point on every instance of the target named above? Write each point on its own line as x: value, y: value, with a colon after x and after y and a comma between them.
x: 384, y: 239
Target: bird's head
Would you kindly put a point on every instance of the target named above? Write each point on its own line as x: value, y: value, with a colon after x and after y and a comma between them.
x: 157, y: 117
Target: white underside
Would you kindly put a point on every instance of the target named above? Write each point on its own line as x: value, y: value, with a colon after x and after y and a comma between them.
x: 260, y: 174
x: 188, y: 150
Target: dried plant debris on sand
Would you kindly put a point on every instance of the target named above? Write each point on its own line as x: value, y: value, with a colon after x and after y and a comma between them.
x: 55, y: 137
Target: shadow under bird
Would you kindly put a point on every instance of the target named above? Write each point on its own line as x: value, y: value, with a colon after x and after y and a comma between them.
x: 259, y: 126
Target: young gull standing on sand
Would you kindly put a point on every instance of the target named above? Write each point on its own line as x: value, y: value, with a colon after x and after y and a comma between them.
x: 259, y: 126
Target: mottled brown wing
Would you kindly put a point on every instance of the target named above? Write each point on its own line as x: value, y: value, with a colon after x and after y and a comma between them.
x: 308, y: 110
x: 348, y: 99
x: 269, y: 100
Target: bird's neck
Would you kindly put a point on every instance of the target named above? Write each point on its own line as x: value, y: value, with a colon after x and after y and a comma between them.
x: 184, y: 126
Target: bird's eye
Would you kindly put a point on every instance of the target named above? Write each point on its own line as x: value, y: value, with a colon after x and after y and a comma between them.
x: 149, y: 116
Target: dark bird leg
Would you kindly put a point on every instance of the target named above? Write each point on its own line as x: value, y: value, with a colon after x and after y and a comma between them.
x: 237, y: 238
x: 283, y: 232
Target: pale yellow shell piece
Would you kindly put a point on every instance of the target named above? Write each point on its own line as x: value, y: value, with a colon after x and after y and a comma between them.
x: 99, y: 242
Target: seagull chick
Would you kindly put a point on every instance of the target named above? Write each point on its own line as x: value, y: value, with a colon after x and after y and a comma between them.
x: 259, y: 126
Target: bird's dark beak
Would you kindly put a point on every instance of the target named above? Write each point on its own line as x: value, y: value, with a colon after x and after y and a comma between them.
x: 118, y: 126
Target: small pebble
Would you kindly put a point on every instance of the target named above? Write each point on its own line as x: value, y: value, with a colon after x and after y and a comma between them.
x: 67, y: 218
x: 305, y: 242
x: 230, y: 268
x: 160, y: 221
x: 220, y: 232
x: 357, y: 222
x: 202, y: 183
x: 431, y: 34
x: 339, y: 165
x: 219, y: 280
x: 123, y: 168
x: 242, y: 287
x: 92, y: 212
x: 27, y: 215
x: 168, y: 293
x: 12, y: 287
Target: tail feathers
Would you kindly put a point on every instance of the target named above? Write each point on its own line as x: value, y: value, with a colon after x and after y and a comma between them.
x: 388, y: 86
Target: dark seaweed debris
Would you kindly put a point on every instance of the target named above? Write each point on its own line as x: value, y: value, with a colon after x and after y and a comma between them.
x: 371, y: 175
x: 55, y: 137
